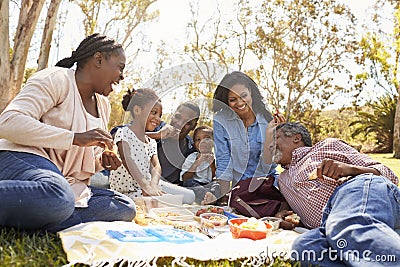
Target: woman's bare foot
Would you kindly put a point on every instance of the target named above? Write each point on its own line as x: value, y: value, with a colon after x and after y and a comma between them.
x: 208, y: 198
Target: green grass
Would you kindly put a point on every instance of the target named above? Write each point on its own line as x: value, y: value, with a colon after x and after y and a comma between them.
x: 34, y: 249
x: 389, y: 161
x: 37, y: 250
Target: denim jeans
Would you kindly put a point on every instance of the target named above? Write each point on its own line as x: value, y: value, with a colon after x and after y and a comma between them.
x: 35, y: 195
x: 358, y: 227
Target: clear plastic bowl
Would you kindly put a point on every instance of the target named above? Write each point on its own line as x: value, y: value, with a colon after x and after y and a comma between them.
x: 212, y: 220
x: 274, y: 221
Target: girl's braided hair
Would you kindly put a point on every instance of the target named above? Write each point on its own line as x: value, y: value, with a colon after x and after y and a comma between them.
x: 140, y: 97
x: 88, y: 47
x: 126, y: 98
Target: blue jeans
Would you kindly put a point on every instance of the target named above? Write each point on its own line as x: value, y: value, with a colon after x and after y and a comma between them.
x: 357, y: 228
x: 35, y: 195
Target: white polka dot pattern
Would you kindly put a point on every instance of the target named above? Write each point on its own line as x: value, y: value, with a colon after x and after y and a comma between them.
x: 141, y: 153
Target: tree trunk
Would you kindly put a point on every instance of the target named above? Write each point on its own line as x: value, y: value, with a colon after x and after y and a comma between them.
x: 47, y: 36
x: 4, y: 54
x: 396, y: 130
x: 11, y: 80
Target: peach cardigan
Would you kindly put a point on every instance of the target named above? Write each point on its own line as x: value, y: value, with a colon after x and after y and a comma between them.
x: 42, y: 120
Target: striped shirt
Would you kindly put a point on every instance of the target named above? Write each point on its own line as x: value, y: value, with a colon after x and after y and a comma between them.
x: 308, y: 197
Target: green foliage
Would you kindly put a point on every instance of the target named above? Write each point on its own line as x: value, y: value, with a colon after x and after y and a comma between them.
x: 301, y: 46
x: 335, y: 124
x: 378, y: 119
x: 382, y: 69
x: 381, y: 58
x: 28, y: 73
x: 117, y: 112
x: 331, y: 124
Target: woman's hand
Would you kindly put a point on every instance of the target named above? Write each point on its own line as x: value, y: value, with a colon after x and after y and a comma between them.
x: 278, y: 119
x: 95, y: 137
x: 110, y: 160
x: 103, y: 139
x: 270, y: 144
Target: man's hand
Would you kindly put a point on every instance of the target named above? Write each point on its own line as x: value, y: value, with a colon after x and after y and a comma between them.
x: 284, y: 224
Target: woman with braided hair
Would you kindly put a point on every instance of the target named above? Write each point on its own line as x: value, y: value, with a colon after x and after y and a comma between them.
x: 52, y: 138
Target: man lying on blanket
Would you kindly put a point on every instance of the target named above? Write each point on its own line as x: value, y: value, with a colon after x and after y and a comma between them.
x: 350, y: 201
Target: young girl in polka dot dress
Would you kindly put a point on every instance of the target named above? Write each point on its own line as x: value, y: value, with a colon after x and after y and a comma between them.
x: 140, y: 172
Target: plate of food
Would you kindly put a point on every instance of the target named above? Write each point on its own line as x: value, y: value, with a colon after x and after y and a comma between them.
x: 290, y: 221
x: 227, y: 211
x: 293, y: 218
x: 209, y: 209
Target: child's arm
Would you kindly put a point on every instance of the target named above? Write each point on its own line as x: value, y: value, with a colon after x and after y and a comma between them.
x: 130, y: 164
x: 155, y: 174
x: 189, y: 173
x: 213, y: 168
x: 166, y: 131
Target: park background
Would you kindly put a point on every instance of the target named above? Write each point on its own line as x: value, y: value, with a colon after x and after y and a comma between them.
x: 331, y: 65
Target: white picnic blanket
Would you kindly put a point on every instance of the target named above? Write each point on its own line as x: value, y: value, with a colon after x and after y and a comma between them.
x: 89, y: 243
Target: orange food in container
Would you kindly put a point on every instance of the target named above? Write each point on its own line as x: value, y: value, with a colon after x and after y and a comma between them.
x: 249, y: 228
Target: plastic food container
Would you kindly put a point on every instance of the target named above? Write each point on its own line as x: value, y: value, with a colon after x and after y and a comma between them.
x: 237, y: 230
x: 154, y: 234
x: 274, y: 221
x: 173, y: 214
x: 165, y: 201
x: 212, y: 220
